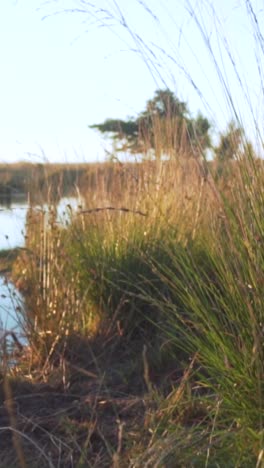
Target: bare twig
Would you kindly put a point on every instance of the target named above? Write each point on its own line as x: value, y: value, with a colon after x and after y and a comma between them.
x: 112, y: 208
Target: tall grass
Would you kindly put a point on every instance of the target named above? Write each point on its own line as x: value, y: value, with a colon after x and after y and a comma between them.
x: 177, y: 267
x: 166, y: 259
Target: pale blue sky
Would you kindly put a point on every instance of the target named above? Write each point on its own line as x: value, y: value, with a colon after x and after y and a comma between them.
x: 61, y: 74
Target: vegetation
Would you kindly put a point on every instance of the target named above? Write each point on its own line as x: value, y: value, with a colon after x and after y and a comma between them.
x: 7, y: 258
x: 144, y: 323
x: 165, y: 118
x: 39, y: 180
x: 144, y: 318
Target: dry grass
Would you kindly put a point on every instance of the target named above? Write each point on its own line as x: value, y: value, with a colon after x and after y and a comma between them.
x: 145, y: 315
x: 76, y: 338
x: 104, y: 380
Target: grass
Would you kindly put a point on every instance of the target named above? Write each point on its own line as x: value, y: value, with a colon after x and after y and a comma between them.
x: 156, y: 305
x: 144, y: 320
x: 44, y: 182
x: 7, y: 259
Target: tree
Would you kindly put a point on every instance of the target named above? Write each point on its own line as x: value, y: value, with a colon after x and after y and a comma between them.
x: 164, y: 125
x: 230, y: 143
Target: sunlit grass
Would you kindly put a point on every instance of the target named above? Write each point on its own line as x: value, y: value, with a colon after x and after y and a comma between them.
x: 154, y: 291
x: 175, y: 269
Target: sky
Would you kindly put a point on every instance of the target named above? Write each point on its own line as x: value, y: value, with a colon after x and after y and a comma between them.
x: 63, y: 70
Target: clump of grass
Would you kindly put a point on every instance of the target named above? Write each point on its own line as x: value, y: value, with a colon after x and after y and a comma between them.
x: 215, y: 311
x: 41, y: 272
x: 7, y: 258
x: 153, y: 271
x: 174, y: 270
x: 111, y: 265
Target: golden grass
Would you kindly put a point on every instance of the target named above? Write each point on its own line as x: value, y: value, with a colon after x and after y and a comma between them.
x: 92, y: 327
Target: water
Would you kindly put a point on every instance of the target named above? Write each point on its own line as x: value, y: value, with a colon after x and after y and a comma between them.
x: 11, y: 305
x: 12, y: 235
x: 12, y: 226
x: 13, y: 220
x: 65, y: 208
